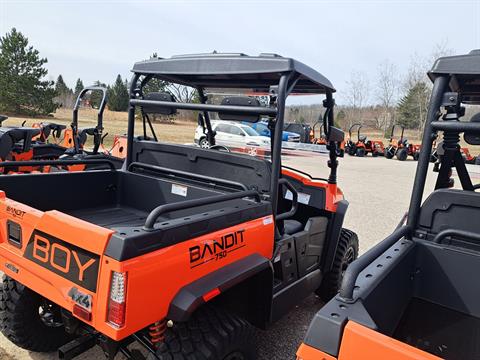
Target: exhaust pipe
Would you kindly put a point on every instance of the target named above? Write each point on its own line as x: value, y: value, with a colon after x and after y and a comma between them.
x: 77, y: 346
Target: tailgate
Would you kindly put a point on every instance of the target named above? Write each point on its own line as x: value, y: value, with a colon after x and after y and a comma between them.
x: 54, y: 254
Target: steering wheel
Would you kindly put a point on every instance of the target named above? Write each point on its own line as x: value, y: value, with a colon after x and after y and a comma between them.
x: 220, y: 148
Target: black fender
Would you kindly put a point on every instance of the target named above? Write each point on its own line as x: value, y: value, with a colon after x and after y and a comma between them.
x: 192, y: 296
x: 334, y: 232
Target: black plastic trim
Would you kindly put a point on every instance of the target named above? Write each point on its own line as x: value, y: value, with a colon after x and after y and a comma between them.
x: 190, y: 297
x: 137, y: 242
x: 334, y: 232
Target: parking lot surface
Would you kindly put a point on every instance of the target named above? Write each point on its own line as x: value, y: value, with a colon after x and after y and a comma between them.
x: 379, y: 193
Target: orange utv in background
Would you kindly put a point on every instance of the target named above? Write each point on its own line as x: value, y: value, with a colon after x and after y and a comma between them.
x: 183, y: 249
x: 415, y: 294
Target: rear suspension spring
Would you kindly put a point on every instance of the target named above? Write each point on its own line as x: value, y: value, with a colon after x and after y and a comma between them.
x: 157, y: 332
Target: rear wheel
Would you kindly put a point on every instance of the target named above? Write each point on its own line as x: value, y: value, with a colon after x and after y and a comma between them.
x: 211, y: 334
x: 389, y: 152
x: 347, y: 251
x: 29, y: 320
x: 402, y: 154
x: 360, y: 152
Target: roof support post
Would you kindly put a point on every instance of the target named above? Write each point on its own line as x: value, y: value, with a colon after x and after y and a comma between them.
x: 277, y: 140
x: 439, y: 87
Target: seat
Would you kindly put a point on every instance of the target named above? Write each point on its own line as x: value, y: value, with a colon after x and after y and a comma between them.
x: 292, y: 226
x: 18, y: 134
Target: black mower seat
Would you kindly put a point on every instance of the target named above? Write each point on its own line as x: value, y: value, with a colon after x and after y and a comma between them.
x: 48, y: 128
x: 292, y: 226
x: 21, y: 133
x: 9, y: 137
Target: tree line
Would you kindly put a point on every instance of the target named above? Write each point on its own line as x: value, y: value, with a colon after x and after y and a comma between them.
x: 391, y: 98
x: 24, y: 90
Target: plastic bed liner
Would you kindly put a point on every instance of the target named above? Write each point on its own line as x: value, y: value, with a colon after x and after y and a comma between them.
x: 441, y: 331
x: 110, y: 216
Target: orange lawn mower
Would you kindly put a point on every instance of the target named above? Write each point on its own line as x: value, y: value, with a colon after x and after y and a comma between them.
x: 401, y: 147
x: 322, y: 138
x: 43, y: 143
x: 363, y: 146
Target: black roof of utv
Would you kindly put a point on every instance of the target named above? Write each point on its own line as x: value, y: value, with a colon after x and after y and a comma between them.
x: 234, y: 71
x: 465, y: 70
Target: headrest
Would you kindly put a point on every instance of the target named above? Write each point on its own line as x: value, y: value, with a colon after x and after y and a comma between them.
x: 473, y: 138
x: 155, y: 109
x: 239, y: 101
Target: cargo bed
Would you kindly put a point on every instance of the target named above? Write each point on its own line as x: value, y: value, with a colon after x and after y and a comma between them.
x: 120, y: 200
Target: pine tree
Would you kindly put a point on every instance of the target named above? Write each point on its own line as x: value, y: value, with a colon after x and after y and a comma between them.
x: 118, y: 96
x: 412, y: 108
x: 22, y: 88
x: 78, y: 87
x: 96, y: 96
x: 64, y: 93
x: 61, y: 87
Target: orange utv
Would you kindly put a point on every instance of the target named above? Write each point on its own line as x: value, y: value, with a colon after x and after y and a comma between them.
x: 415, y: 294
x: 183, y: 249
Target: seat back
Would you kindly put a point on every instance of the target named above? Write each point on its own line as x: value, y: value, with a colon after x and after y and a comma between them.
x: 252, y: 172
x: 450, y: 209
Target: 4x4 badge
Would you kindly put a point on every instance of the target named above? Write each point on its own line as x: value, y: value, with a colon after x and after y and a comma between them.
x: 81, y: 299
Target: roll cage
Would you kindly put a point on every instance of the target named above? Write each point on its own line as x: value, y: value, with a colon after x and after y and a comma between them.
x: 264, y: 74
x: 455, y: 82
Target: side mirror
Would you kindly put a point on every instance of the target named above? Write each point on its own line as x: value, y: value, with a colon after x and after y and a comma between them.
x: 242, y: 134
x: 335, y: 134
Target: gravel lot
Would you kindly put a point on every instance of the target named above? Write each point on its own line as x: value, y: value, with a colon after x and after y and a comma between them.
x: 379, y: 193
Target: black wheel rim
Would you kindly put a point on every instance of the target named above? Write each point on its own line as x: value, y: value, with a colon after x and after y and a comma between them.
x: 237, y: 355
x: 348, y: 258
x: 49, y: 314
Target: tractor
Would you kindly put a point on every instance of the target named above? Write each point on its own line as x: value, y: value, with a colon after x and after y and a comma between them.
x: 363, y: 146
x: 401, y: 147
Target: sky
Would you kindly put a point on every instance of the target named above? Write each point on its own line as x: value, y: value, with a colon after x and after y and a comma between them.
x: 96, y: 40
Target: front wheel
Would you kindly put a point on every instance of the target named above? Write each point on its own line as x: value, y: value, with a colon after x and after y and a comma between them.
x: 347, y: 251
x: 402, y: 154
x: 204, y: 143
x: 210, y: 334
x: 29, y: 320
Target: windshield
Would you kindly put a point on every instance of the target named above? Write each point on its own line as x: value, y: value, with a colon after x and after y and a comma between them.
x: 262, y: 127
x: 249, y: 131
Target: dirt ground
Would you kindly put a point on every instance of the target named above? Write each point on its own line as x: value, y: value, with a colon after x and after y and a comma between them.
x: 379, y: 193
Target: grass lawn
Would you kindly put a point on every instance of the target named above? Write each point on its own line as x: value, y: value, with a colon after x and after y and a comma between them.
x: 115, y: 123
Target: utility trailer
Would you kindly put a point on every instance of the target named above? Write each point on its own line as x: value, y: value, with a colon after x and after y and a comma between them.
x: 415, y: 295
x: 183, y: 249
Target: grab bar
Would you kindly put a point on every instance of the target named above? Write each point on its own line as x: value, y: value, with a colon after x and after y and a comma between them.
x: 6, y: 164
x: 452, y: 232
x: 357, y: 266
x: 159, y: 210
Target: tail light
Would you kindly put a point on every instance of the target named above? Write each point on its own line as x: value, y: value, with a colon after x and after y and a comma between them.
x: 117, y: 300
